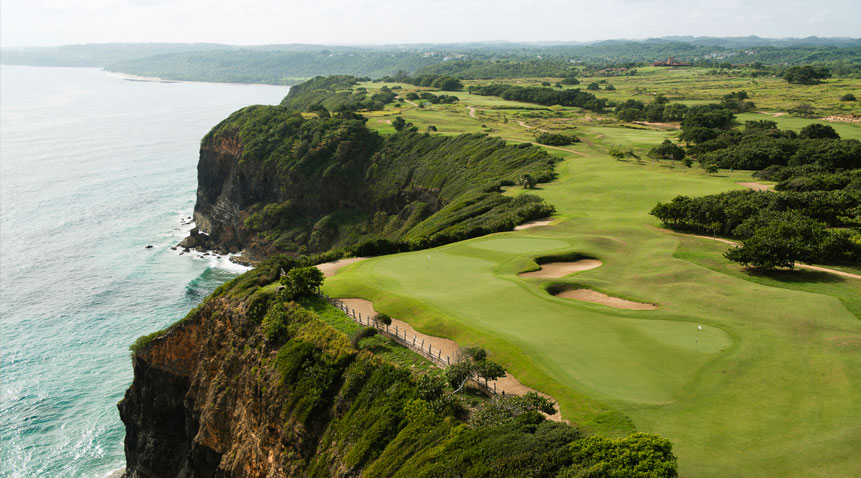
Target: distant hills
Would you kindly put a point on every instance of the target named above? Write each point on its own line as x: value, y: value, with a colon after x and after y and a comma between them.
x: 286, y: 64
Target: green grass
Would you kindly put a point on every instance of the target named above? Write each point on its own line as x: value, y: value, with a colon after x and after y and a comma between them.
x: 770, y: 385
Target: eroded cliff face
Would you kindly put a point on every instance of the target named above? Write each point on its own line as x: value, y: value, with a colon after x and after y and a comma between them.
x: 195, y: 409
x: 225, y: 188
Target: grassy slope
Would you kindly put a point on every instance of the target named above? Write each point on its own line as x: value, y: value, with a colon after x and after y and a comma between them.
x: 770, y: 386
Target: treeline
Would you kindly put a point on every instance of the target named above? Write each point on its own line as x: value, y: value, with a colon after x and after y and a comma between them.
x: 494, y: 69
x: 272, y: 67
x: 760, y: 145
x: 709, y: 115
x: 543, y: 96
x: 439, y: 82
x: 432, y: 98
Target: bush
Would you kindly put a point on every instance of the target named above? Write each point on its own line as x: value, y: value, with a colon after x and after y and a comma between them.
x: 848, y: 97
x: 383, y: 319
x: 555, y: 139
x: 667, y: 150
x: 638, y: 455
x: 300, y: 282
x: 363, y: 333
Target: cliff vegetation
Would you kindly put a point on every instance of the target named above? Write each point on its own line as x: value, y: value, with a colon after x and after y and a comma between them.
x: 282, y: 179
x: 218, y: 394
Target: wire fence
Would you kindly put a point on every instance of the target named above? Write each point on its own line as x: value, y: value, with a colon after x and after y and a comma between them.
x: 414, y: 343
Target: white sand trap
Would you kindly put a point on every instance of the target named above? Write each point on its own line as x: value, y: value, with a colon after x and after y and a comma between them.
x: 508, y: 384
x: 757, y: 186
x: 534, y: 223
x: 330, y: 268
x: 595, y: 297
x: 554, y: 270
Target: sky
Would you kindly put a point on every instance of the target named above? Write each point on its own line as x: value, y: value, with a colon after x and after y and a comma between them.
x: 257, y: 22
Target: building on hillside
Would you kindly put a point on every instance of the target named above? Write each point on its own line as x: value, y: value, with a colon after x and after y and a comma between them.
x: 670, y: 62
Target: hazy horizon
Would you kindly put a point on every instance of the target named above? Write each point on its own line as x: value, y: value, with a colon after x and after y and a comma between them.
x: 385, y: 22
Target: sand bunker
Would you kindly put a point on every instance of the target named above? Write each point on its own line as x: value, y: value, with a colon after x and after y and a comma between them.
x: 757, y: 186
x: 330, y: 268
x: 534, y: 223
x: 554, y: 270
x: 588, y: 295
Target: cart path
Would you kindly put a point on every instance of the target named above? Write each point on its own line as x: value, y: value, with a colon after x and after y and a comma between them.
x: 797, y: 264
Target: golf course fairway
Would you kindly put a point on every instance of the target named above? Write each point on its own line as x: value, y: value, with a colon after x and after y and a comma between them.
x: 768, y: 386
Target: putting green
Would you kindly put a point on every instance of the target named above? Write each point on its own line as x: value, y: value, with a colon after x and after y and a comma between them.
x: 768, y: 387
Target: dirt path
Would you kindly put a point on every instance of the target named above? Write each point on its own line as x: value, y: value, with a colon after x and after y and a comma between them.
x: 545, y: 146
x: 595, y: 297
x: 555, y: 270
x: 776, y: 115
x: 797, y: 264
x: 471, y: 111
x: 534, y: 223
x: 521, y: 123
x: 408, y: 101
x: 330, y: 268
x: 757, y: 186
x: 507, y: 384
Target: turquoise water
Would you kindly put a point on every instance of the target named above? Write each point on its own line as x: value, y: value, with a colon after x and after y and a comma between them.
x: 93, y: 168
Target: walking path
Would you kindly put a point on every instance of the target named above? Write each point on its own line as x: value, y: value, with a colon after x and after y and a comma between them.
x: 546, y: 146
x: 471, y: 111
x: 797, y: 264
x: 507, y: 385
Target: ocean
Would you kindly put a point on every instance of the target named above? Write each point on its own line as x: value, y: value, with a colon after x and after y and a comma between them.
x: 93, y: 169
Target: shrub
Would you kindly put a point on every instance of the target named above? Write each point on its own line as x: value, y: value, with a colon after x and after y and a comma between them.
x: 300, y: 282
x: 667, y: 150
x: 555, y: 139
x: 638, y: 455
x: 848, y: 97
x: 362, y: 334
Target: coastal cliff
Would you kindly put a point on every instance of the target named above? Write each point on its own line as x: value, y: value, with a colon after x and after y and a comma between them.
x: 252, y: 385
x: 274, y: 180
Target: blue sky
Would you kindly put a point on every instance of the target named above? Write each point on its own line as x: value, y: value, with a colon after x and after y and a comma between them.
x: 252, y: 22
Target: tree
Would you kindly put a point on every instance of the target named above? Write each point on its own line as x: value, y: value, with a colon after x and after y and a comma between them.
x: 300, y: 282
x: 818, y: 131
x: 398, y: 123
x: 777, y: 239
x: 594, y: 86
x: 527, y: 181
x: 667, y: 150
x: 570, y: 80
x: 806, y: 75
x: 383, y: 319
x: 473, y: 364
